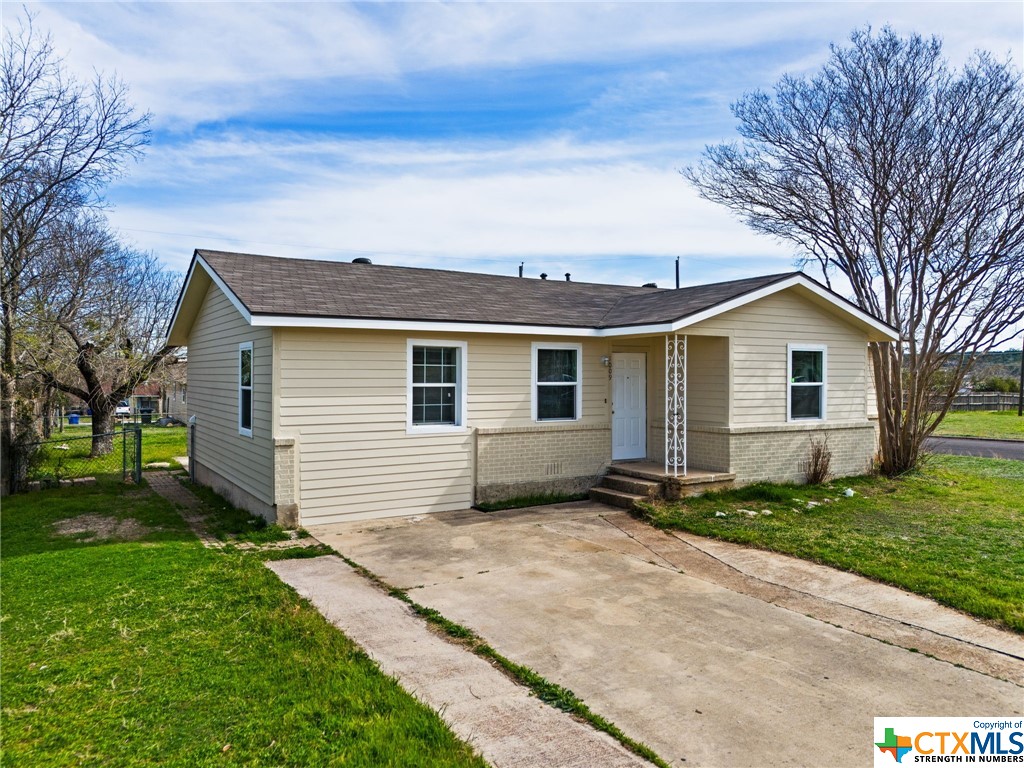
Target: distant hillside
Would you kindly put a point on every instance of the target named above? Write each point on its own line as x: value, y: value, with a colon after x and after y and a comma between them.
x: 1003, y: 364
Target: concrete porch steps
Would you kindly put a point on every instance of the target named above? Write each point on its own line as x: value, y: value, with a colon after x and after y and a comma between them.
x: 632, y: 485
x: 614, y: 498
x: 626, y: 484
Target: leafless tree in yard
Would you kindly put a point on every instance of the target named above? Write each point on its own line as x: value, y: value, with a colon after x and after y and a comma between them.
x: 904, y: 176
x: 62, y: 143
x: 96, y: 320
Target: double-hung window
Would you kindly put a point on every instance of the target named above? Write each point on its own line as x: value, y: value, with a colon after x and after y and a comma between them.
x: 807, y: 382
x: 437, y: 385
x: 557, y: 383
x: 245, y: 389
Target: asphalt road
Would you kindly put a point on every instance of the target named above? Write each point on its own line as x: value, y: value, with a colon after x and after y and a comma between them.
x: 967, y: 446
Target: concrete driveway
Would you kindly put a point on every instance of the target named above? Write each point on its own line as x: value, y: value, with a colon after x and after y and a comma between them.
x: 723, y: 665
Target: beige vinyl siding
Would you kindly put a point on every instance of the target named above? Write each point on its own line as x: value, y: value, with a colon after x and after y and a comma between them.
x: 248, y: 462
x: 501, y: 385
x: 760, y: 333
x: 343, y: 395
x: 707, y: 380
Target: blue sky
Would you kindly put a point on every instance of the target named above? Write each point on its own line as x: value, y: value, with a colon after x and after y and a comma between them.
x: 462, y: 136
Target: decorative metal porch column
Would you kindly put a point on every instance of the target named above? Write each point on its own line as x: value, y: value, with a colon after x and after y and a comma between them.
x: 675, y: 404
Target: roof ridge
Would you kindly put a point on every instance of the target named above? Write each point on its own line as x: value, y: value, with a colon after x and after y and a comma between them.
x: 331, y: 262
x: 761, y: 280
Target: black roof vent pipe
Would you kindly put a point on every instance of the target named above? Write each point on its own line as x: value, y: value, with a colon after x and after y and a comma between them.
x: 362, y: 260
x: 567, y: 276
x: 543, y: 275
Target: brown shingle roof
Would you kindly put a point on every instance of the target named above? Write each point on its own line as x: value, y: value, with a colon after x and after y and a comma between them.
x: 269, y: 285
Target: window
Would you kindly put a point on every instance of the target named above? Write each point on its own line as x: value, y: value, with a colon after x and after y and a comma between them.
x: 806, y: 382
x: 245, y: 389
x: 437, y: 390
x: 556, y: 382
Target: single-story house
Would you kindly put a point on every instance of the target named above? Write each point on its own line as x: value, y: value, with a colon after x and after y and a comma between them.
x: 325, y: 391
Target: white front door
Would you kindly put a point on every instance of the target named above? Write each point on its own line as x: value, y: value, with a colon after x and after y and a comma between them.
x: 629, y: 405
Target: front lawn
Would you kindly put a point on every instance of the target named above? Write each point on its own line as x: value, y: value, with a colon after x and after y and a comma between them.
x: 1005, y: 425
x: 953, y: 531
x: 144, y: 648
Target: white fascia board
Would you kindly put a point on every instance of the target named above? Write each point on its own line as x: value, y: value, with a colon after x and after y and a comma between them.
x: 235, y: 301
x: 768, y: 290
x: 181, y: 298
x: 428, y: 326
x: 847, y: 307
x: 209, y: 271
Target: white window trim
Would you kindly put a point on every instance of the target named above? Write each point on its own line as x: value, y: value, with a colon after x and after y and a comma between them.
x: 461, y: 387
x: 246, y: 345
x: 537, y: 345
x: 790, y: 349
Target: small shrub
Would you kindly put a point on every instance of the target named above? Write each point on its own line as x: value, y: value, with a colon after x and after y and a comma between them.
x: 818, y: 467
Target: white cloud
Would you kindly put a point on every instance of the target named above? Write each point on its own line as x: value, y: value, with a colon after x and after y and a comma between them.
x: 194, y: 62
x: 556, y: 203
x: 596, y: 187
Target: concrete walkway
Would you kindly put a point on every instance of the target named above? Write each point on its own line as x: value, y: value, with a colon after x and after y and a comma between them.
x: 713, y: 655
x: 188, y: 504
x: 500, y: 719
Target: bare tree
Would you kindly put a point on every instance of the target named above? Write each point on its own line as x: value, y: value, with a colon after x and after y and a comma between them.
x: 905, y: 177
x: 94, y: 323
x: 62, y: 142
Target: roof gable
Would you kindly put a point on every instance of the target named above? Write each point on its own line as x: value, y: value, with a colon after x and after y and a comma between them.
x: 272, y: 291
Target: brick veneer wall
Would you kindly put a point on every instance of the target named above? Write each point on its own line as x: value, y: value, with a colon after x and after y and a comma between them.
x: 286, y: 481
x: 780, y: 453
x: 777, y: 453
x: 519, y: 461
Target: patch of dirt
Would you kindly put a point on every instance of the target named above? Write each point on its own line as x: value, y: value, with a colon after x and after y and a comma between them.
x: 101, y: 528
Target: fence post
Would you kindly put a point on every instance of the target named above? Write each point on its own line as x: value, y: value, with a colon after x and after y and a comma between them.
x: 124, y: 454
x: 138, y: 455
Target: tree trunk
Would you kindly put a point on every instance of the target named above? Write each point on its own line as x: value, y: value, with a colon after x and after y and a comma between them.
x: 47, y: 414
x: 102, y: 428
x: 8, y: 386
x: 897, y: 441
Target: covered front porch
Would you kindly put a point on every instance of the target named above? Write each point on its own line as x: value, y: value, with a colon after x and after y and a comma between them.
x: 670, y: 401
x: 670, y: 411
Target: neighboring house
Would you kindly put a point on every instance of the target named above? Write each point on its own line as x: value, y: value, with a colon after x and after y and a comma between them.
x: 327, y: 391
x: 145, y: 399
x: 174, y: 389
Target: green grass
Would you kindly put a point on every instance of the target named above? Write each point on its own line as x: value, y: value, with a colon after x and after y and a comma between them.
x: 68, y: 456
x: 160, y: 652
x: 952, y: 531
x: 228, y: 522
x: 164, y: 444
x: 1005, y: 425
x: 535, y: 500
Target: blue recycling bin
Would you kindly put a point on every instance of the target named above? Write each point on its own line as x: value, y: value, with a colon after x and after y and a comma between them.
x: 72, y: 419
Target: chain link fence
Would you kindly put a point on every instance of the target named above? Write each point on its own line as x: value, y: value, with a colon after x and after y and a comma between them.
x: 69, y: 460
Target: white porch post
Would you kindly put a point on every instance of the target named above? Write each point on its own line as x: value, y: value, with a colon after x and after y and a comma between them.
x: 675, y: 404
